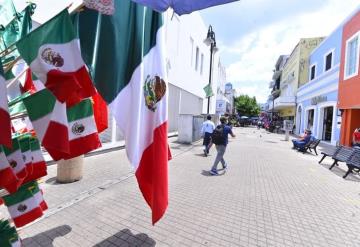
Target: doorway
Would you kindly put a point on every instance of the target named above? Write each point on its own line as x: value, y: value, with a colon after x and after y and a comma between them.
x: 327, y: 123
x: 310, y: 119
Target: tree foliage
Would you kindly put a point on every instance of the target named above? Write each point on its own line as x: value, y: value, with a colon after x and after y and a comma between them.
x: 247, y: 106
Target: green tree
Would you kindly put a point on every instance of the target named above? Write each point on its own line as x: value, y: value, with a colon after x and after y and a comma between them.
x: 247, y: 106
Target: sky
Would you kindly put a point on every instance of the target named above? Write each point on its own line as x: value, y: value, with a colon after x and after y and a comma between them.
x: 252, y: 34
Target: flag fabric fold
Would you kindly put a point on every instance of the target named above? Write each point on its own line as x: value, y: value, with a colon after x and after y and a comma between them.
x: 8, y: 178
x: 130, y: 75
x: 55, y: 58
x: 182, y: 6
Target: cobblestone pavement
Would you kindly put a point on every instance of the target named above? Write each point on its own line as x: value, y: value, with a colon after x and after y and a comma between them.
x: 271, y: 195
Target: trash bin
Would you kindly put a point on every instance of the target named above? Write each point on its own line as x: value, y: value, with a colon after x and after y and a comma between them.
x: 69, y: 171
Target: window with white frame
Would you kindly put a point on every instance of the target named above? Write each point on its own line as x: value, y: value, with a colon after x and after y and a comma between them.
x: 328, y: 61
x: 202, y: 64
x: 197, y: 56
x: 312, y: 71
x: 352, y: 57
x: 192, y: 51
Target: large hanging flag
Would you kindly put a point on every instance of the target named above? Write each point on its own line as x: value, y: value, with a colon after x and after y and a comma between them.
x: 5, y: 125
x: 8, y: 179
x: 82, y: 131
x: 24, y: 205
x: 54, y: 57
x: 125, y: 52
x: 49, y: 120
x: 182, y: 6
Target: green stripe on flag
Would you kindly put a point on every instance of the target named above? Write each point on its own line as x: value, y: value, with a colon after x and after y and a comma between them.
x: 34, y: 144
x: 24, y: 192
x: 15, y: 147
x: 51, y: 32
x: 39, y: 104
x: 82, y: 110
x: 114, y: 46
x: 24, y: 143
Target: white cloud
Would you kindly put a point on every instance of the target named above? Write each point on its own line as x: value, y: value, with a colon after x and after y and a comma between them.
x: 257, y: 52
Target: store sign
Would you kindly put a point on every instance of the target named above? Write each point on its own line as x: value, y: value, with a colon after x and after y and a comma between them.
x: 220, y: 107
x: 318, y: 99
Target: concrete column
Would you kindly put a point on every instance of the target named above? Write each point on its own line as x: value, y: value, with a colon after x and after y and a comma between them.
x: 69, y: 171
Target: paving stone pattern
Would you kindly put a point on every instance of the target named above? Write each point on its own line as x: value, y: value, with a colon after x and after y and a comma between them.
x: 271, y: 195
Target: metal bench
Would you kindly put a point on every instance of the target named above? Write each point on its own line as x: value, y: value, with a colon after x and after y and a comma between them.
x: 342, y: 155
x: 312, y: 145
x: 353, y: 163
x: 331, y: 152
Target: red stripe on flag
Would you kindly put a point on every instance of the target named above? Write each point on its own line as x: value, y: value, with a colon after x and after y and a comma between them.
x: 70, y: 87
x: 39, y: 171
x: 28, y: 85
x: 5, y: 129
x: 100, y: 112
x: 78, y: 147
x: 8, y: 180
x: 152, y: 173
x: 56, y: 137
x: 28, y: 217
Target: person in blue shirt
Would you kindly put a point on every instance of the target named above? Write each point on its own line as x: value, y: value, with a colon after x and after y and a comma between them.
x: 221, y: 148
x: 302, y: 141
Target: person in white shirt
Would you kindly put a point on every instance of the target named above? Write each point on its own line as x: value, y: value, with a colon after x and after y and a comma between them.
x: 206, y: 131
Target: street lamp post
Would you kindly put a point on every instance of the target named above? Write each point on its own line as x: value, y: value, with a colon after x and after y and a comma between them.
x: 210, y: 41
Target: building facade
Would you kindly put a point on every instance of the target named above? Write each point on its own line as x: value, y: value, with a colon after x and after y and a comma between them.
x: 317, y: 100
x: 349, y: 85
x: 294, y: 74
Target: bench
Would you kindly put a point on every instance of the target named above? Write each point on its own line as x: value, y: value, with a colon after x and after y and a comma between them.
x: 331, y: 152
x: 353, y: 163
x: 312, y: 145
x: 343, y: 155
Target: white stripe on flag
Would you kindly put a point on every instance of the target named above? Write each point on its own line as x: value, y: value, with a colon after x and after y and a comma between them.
x: 4, y: 163
x: 17, y: 157
x: 88, y: 123
x: 31, y: 203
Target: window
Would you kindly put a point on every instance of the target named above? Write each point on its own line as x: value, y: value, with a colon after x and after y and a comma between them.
x: 352, y: 57
x: 310, y: 122
x: 202, y: 64
x: 197, y: 59
x: 312, y: 72
x: 192, y: 51
x: 328, y: 61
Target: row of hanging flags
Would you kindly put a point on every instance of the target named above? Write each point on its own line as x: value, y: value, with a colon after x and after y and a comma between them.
x: 66, y: 91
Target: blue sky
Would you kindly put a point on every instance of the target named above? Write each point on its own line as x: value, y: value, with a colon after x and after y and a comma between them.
x: 251, y: 34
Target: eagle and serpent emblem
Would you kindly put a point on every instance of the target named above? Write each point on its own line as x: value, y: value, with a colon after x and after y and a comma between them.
x: 154, y: 91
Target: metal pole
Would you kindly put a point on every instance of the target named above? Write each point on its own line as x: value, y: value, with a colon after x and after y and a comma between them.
x: 210, y: 74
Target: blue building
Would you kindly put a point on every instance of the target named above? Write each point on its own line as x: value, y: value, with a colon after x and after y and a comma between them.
x: 317, y: 99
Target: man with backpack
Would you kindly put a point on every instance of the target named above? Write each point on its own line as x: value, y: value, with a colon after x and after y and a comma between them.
x: 220, y: 139
x: 206, y: 131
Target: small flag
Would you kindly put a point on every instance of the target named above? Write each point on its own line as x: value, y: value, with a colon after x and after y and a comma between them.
x: 15, y: 159
x: 49, y: 119
x: 39, y: 168
x: 82, y: 131
x: 8, y: 235
x: 208, y: 91
x: 8, y: 179
x: 24, y: 205
x: 54, y: 57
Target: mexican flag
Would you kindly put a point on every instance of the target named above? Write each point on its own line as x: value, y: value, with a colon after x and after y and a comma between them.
x: 125, y: 52
x: 5, y: 126
x: 82, y: 131
x: 8, y: 235
x: 15, y: 159
x: 24, y: 205
x: 8, y: 179
x: 54, y: 57
x: 49, y: 120
x: 39, y: 168
x: 25, y: 149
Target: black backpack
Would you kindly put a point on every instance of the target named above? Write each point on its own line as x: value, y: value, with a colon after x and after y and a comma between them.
x: 218, y: 136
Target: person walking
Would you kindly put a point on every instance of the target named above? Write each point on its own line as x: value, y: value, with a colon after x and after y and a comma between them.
x: 220, y: 139
x: 206, y: 131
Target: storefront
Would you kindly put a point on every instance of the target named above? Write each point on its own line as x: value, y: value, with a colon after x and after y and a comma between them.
x: 317, y: 100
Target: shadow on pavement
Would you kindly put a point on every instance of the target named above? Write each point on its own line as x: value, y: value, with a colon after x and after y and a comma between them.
x: 127, y: 238
x: 47, y: 238
x: 341, y: 172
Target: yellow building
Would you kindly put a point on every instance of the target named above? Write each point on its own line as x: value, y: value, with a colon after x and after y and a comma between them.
x: 295, y: 74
